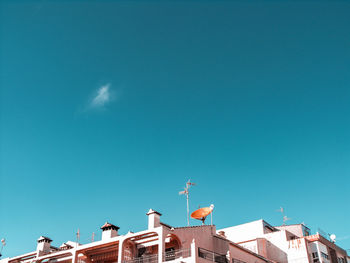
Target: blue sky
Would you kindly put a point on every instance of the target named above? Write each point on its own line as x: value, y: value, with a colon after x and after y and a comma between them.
x: 109, y: 107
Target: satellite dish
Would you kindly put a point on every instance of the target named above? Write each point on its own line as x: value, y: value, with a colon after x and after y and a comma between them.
x: 202, y: 213
x: 333, y: 237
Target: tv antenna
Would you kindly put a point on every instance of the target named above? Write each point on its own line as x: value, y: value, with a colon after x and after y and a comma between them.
x: 186, y: 192
x: 323, y: 233
x: 284, y: 217
x: 3, y: 243
x: 331, y: 237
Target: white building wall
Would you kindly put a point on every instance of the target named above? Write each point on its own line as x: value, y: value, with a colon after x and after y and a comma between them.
x: 298, y: 251
x: 244, y: 232
x: 313, y: 248
x: 282, y: 250
x: 252, y: 246
x: 323, y: 249
x: 4, y: 260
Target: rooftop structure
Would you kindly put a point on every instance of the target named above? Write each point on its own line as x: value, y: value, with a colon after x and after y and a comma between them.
x: 158, y: 243
x: 286, y: 243
x: 253, y: 242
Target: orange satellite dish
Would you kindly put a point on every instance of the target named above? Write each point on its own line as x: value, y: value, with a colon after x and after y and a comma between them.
x: 202, y: 213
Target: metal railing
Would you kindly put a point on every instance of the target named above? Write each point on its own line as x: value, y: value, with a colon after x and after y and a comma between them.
x: 104, y: 256
x: 145, y: 259
x: 168, y: 256
x: 172, y: 255
x: 212, y: 256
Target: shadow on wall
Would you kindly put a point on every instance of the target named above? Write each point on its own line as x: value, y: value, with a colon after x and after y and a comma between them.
x: 275, y: 253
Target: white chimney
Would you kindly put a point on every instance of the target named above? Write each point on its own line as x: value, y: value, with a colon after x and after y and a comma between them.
x: 109, y: 231
x: 153, y: 219
x: 43, y: 246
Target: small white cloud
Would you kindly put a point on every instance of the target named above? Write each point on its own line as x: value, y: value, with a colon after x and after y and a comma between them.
x: 102, y: 97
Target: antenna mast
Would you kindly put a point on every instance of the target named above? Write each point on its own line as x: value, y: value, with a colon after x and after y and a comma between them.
x: 186, y: 192
x: 285, y: 218
x: 3, y: 243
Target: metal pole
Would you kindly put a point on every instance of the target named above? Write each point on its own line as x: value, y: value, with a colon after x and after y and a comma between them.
x: 186, y: 192
x: 188, y: 211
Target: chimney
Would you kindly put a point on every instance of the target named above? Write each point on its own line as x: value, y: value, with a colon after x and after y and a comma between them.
x: 43, y: 246
x: 109, y: 231
x: 222, y: 233
x: 153, y: 219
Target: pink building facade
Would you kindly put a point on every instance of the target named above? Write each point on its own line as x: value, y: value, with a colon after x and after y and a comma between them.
x: 158, y: 243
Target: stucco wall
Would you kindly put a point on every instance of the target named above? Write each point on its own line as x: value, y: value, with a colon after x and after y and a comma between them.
x: 294, y: 229
x: 244, y: 232
x: 242, y: 255
x: 202, y: 235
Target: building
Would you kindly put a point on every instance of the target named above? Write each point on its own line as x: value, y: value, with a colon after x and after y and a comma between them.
x: 159, y: 243
x: 286, y: 243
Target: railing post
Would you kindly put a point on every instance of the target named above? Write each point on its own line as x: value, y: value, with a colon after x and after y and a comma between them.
x: 74, y: 256
x: 160, y: 245
x: 193, y: 250
x: 120, y: 250
x: 228, y: 256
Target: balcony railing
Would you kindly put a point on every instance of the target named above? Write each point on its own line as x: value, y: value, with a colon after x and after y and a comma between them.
x: 168, y: 256
x: 145, y: 259
x: 212, y: 256
x: 172, y: 255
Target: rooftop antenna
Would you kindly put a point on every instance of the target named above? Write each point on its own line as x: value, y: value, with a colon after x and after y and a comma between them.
x: 331, y: 237
x: 78, y: 237
x: 284, y: 217
x: 322, y: 233
x: 3, y: 243
x: 186, y: 192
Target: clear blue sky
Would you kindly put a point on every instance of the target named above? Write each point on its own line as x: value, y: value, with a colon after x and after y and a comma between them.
x: 109, y: 107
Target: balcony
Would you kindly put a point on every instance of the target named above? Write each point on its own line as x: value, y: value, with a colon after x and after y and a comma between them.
x: 181, y: 253
x: 168, y: 256
x: 215, y: 257
x: 144, y: 259
x: 212, y: 256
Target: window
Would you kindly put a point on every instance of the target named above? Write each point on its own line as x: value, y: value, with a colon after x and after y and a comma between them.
x: 212, y: 256
x: 324, y: 255
x: 314, y: 255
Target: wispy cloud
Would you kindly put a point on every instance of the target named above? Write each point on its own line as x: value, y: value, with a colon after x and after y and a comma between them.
x: 343, y: 238
x: 102, y: 96
x: 98, y: 100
